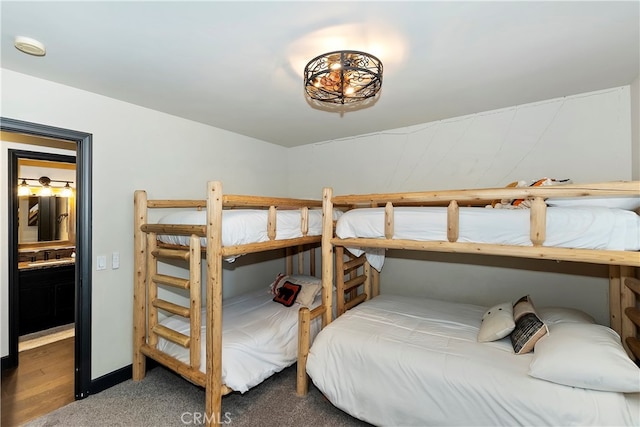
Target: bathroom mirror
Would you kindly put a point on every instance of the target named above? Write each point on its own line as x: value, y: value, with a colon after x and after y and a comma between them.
x: 43, y: 219
x: 46, y: 220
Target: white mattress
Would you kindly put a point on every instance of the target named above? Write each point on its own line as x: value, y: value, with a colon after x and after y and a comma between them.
x: 415, y: 362
x: 259, y: 338
x: 243, y: 226
x: 587, y: 228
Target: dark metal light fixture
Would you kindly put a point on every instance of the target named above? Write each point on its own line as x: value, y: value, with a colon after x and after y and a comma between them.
x: 45, y: 189
x: 343, y: 77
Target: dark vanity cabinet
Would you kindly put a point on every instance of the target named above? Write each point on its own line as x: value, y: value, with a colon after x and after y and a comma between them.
x: 47, y: 297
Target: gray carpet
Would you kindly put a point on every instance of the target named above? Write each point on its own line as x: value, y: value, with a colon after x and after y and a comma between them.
x: 164, y: 399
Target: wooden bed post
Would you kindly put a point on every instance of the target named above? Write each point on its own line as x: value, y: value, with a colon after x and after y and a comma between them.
x: 624, y: 314
x: 339, y: 260
x: 195, y: 290
x: 615, y: 309
x: 213, y: 386
x: 304, y: 324
x: 139, y: 288
x: 327, y: 254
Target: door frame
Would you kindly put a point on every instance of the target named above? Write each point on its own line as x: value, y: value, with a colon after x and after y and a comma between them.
x: 84, y: 163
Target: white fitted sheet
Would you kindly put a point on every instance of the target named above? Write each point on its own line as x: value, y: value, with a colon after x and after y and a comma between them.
x: 413, y: 362
x: 259, y: 338
x: 243, y: 226
x: 576, y: 227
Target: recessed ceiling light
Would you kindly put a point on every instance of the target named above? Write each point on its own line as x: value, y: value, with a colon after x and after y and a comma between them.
x: 30, y: 46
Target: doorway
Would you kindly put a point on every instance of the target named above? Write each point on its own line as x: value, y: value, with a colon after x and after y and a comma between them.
x: 82, y: 347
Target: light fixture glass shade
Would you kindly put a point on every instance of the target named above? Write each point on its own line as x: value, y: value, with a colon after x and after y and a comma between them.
x: 45, y: 191
x: 67, y: 191
x: 343, y: 77
x: 23, y: 189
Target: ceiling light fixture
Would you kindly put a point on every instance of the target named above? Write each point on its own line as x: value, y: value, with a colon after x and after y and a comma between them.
x: 29, y: 46
x: 343, y: 77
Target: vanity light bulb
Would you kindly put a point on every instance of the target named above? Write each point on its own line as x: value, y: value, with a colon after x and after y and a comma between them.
x: 45, y: 191
x: 66, y: 191
x: 23, y: 189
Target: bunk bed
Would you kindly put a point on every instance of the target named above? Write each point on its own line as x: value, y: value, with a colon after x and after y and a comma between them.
x: 393, y: 360
x: 189, y: 339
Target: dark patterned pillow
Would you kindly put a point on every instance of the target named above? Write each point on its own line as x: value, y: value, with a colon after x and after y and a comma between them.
x: 287, y: 293
x: 529, y: 328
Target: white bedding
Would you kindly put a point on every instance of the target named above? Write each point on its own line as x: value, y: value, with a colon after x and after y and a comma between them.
x: 259, y: 338
x: 579, y: 227
x: 415, y: 362
x: 243, y: 226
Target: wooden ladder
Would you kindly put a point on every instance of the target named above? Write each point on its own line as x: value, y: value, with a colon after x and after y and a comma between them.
x: 192, y: 284
x: 631, y: 323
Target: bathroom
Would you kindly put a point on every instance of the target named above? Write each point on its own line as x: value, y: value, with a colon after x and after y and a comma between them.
x: 46, y: 250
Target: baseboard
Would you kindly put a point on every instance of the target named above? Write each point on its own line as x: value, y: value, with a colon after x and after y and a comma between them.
x: 116, y: 377
x: 8, y: 362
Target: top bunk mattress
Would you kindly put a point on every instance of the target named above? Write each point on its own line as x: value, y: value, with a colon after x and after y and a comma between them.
x: 576, y: 227
x: 245, y: 226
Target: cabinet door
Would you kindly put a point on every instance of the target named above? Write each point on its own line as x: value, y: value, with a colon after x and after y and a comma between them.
x: 64, y: 295
x: 36, y: 308
x: 47, y: 298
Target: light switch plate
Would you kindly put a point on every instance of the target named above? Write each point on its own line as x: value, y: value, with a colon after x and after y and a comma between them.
x: 101, y: 262
x: 115, y: 260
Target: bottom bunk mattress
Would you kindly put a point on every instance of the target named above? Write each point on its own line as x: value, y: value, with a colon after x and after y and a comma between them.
x: 409, y: 361
x: 259, y: 338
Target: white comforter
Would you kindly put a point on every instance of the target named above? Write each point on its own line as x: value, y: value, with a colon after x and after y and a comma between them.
x: 403, y: 361
x: 242, y: 226
x: 259, y: 338
x: 579, y: 227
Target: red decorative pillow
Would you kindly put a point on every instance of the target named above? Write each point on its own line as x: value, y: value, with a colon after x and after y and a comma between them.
x: 287, y: 293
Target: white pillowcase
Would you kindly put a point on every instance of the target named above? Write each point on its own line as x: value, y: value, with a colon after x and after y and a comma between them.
x: 553, y: 315
x: 627, y: 203
x: 497, y: 323
x: 585, y: 355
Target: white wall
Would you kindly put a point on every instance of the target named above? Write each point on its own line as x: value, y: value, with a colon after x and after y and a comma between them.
x: 136, y: 148
x: 586, y: 138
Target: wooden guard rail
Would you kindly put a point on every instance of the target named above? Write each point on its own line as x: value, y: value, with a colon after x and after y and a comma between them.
x: 452, y: 199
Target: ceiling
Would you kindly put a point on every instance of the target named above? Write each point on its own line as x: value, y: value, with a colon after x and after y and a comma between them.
x: 238, y: 65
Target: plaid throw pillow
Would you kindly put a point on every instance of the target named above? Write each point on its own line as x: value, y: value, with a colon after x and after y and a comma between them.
x: 529, y: 328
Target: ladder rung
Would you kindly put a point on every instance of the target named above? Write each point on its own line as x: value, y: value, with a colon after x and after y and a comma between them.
x: 634, y: 346
x: 354, y: 263
x: 350, y: 284
x: 171, y: 307
x: 171, y: 253
x: 633, y: 314
x: 633, y: 284
x: 357, y: 300
x: 176, y: 282
x: 172, y: 335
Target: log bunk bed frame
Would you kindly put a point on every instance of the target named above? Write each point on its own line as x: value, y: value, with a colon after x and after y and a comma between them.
x: 148, y: 251
x: 356, y: 281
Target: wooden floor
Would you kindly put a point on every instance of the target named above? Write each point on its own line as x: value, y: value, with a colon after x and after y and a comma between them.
x: 42, y: 382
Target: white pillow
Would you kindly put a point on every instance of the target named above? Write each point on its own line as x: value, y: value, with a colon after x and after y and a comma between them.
x: 587, y: 356
x: 497, y: 323
x: 627, y: 203
x: 553, y: 315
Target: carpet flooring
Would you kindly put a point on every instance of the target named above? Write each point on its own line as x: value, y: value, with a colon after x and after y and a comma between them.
x: 165, y: 399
